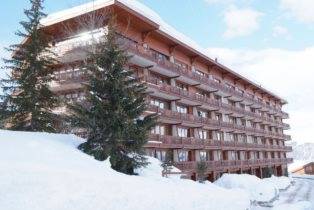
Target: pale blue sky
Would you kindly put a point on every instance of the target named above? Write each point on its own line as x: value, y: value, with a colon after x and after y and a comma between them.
x: 270, y: 41
x: 202, y: 20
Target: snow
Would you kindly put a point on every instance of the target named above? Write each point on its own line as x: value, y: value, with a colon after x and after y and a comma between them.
x: 301, y: 205
x: 260, y: 190
x: 134, y: 5
x: 141, y: 9
x: 40, y: 171
x: 303, y: 151
x: 302, y: 154
x: 281, y: 183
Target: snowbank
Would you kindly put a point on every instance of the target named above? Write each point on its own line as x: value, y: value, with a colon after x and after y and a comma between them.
x: 301, y: 205
x: 260, y: 190
x: 281, y: 183
x: 40, y: 171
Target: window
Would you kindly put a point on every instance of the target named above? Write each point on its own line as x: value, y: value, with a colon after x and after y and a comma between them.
x: 159, y: 56
x: 181, y: 64
x: 239, y: 90
x: 161, y: 155
x: 217, y: 80
x: 200, y: 94
x: 202, y: 134
x: 159, y: 130
x: 218, y: 117
x: 202, y: 113
x: 242, y: 138
x: 182, y: 86
x: 235, y: 137
x: 232, y: 103
x: 203, y: 156
x: 157, y: 79
x: 218, y: 97
x: 255, y: 140
x: 199, y: 72
x: 182, y: 155
x: 219, y: 135
x: 158, y: 103
x: 231, y: 136
x: 182, y: 132
x: 232, y: 120
x: 229, y: 86
x: 243, y: 122
x: 254, y: 124
x: 182, y: 109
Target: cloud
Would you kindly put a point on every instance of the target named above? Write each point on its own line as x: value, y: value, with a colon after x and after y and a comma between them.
x: 226, y: 2
x: 281, y: 32
x: 303, y: 10
x: 286, y: 73
x: 218, y: 1
x: 241, y: 22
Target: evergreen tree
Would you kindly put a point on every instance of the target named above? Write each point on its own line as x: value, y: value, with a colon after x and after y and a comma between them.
x: 115, y: 102
x: 27, y: 102
x: 201, y: 169
x: 286, y: 173
x: 167, y: 165
x: 267, y: 172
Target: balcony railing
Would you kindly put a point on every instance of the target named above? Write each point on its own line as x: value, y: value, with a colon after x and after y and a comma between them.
x: 166, y: 141
x: 70, y: 76
x: 207, y: 80
x: 154, y: 83
x: 227, y: 164
x: 192, y: 119
x: 181, y: 142
x: 67, y: 46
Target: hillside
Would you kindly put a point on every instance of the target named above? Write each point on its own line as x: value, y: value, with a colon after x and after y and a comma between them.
x: 303, y: 151
x: 301, y: 154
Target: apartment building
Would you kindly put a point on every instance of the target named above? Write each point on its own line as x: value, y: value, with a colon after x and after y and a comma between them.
x: 207, y: 112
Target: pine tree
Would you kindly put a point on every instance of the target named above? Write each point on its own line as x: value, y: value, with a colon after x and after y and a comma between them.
x: 201, y: 169
x: 115, y: 102
x: 27, y: 102
x: 167, y: 165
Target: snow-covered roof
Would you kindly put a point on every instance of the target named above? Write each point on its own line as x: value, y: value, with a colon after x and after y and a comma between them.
x: 151, y: 15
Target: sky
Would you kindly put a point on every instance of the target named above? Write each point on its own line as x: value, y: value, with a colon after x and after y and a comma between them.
x: 269, y: 41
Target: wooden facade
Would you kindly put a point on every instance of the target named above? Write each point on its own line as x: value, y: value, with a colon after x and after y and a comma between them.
x: 206, y: 111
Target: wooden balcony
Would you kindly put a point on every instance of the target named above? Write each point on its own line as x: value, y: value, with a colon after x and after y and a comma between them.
x: 206, y: 81
x: 176, y: 142
x: 223, y: 165
x: 203, y: 101
x: 75, y: 49
x: 173, y: 117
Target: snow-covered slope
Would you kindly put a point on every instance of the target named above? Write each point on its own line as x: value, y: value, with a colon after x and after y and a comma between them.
x: 301, y: 154
x: 41, y: 171
x: 303, y: 151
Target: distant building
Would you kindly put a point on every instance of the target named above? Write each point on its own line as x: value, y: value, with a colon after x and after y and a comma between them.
x: 207, y: 111
x: 306, y: 169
